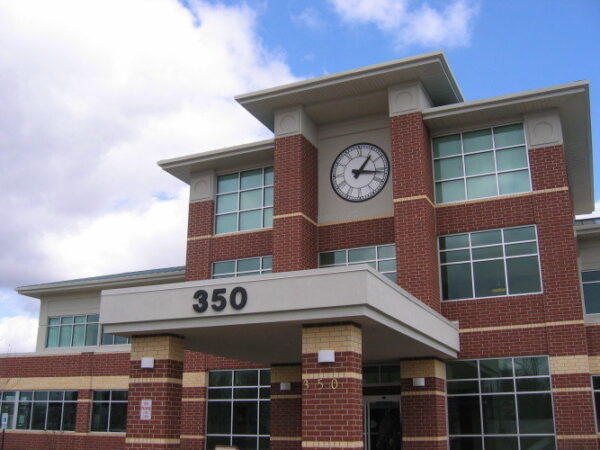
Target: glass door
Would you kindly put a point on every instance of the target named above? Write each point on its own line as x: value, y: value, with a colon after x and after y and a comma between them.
x: 383, y: 430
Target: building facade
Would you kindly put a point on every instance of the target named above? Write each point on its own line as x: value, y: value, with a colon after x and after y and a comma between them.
x: 396, y: 268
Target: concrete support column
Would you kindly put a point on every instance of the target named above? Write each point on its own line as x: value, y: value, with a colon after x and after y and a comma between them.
x: 423, y: 409
x: 332, y: 400
x: 153, y: 413
x: 295, y: 208
x: 286, y: 407
x: 414, y: 212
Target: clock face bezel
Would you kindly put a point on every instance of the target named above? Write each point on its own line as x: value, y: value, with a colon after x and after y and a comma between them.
x: 375, y: 192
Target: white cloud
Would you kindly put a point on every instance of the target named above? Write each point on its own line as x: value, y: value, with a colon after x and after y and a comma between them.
x: 406, y: 23
x: 93, y: 94
x: 309, y: 18
x: 17, y: 334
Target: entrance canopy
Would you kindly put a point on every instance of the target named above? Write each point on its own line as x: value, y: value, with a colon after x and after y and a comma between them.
x: 259, y: 318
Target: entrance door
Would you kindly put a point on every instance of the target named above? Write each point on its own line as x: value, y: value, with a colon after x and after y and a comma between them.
x: 382, y: 422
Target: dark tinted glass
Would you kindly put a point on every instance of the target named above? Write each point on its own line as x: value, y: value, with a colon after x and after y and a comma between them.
x: 456, y: 281
x: 219, y: 378
x: 591, y: 275
x: 531, y: 366
x: 489, y: 278
x: 119, y: 395
x: 461, y: 369
x: 218, y: 418
x: 69, y: 416
x: 38, y: 421
x: 118, y: 417
x: 245, y: 417
x: 465, y: 443
x: 54, y: 413
x: 499, y: 415
x: 523, y: 275
x: 99, y: 417
x: 535, y: 413
x: 463, y: 387
x: 496, y: 368
x: 591, y: 294
x: 463, y: 415
x: 244, y: 443
x: 501, y: 443
x: 101, y: 395
x: 246, y: 378
x: 264, y: 417
x: 538, y: 442
x: 23, y: 415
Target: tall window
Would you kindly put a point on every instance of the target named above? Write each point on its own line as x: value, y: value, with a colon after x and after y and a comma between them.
x: 109, y: 411
x: 39, y: 410
x: 490, y: 263
x: 596, y: 383
x: 381, y: 258
x: 483, y: 163
x: 238, y: 408
x: 591, y: 291
x: 244, y: 201
x: 500, y: 403
x: 80, y: 330
x: 242, y: 267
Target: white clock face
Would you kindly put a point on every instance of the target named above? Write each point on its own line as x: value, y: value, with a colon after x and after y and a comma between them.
x: 360, y: 172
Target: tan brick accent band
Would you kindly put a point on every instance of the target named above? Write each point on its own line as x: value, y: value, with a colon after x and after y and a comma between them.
x: 522, y: 326
x: 561, y: 365
x: 194, y: 399
x: 333, y: 444
x: 576, y: 436
x: 298, y: 214
x: 317, y: 376
x: 418, y: 393
x: 425, y: 438
x: 194, y: 379
x: 62, y: 433
x: 415, y: 197
x: 594, y: 362
x: 157, y: 347
x: 192, y: 436
x: 152, y: 441
x: 62, y: 383
x: 423, y: 368
x: 236, y: 233
x: 341, y: 338
x: 286, y: 374
x: 155, y: 380
x: 285, y: 396
x: 198, y: 238
x: 573, y: 389
x: 286, y: 438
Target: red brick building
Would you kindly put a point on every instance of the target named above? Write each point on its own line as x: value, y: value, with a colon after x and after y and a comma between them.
x: 396, y: 268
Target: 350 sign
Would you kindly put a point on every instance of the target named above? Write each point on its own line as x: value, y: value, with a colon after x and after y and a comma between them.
x: 237, y: 299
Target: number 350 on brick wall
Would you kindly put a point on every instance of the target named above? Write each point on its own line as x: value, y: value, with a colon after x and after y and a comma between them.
x: 322, y: 384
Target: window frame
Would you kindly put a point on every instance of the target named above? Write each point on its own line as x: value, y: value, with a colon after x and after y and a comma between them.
x: 377, y: 259
x: 231, y: 400
x: 462, y: 156
x: 503, y: 258
x: 110, y: 402
x: 99, y: 337
x: 236, y: 273
x: 18, y: 401
x: 583, y: 283
x: 514, y: 393
x: 596, y: 392
x: 239, y: 191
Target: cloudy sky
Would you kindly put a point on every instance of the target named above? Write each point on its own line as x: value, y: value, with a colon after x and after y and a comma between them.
x: 94, y: 92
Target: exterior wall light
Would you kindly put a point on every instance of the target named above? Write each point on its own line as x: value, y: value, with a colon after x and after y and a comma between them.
x: 147, y: 363
x: 285, y: 386
x: 418, y: 382
x: 326, y: 356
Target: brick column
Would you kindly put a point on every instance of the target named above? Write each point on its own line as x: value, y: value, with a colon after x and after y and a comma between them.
x: 286, y: 408
x: 332, y: 400
x: 161, y: 385
x: 200, y: 230
x: 414, y: 212
x: 423, y: 409
x: 193, y: 401
x: 295, y: 216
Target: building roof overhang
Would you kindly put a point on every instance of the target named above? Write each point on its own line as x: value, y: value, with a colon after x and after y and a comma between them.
x: 268, y: 329
x: 355, y: 93
x: 113, y: 281
x: 572, y: 102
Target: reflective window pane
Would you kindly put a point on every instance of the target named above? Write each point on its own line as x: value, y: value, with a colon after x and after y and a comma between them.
x: 523, y: 275
x: 590, y: 275
x: 268, y: 218
x: 531, y: 366
x: 514, y: 182
x: 486, y: 237
x: 463, y: 415
x: 251, y: 179
x: 250, y: 220
x: 386, y: 251
x: 245, y: 265
x: 509, y: 135
x: 519, y: 234
x: 446, y: 146
x: 454, y: 256
x: 461, y: 369
x: 480, y: 163
x: 448, y: 168
x: 479, y: 187
x: 526, y: 248
x: 361, y: 254
x: 227, y: 183
x: 456, y: 281
x: 511, y: 158
x: 226, y: 223
x: 268, y: 176
x: 251, y: 199
x: 227, y: 203
x: 496, y: 368
x: 591, y: 294
x: 499, y: 414
x: 488, y: 277
x: 535, y: 413
x: 455, y: 241
x: 475, y: 141
x: 450, y: 191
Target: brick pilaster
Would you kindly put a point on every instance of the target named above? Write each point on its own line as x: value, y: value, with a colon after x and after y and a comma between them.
x: 423, y: 409
x: 414, y: 213
x: 162, y: 385
x: 200, y: 230
x: 286, y: 408
x: 295, y: 232
x: 332, y: 401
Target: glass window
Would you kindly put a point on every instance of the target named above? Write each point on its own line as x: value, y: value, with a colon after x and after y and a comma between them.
x: 480, y: 164
x: 244, y: 201
x: 39, y: 410
x: 381, y: 258
x: 490, y: 263
x: 381, y: 375
x: 591, y: 291
x: 238, y: 408
x: 242, y: 267
x: 73, y: 331
x: 111, y: 339
x: 596, y: 384
x: 500, y: 403
x: 109, y: 411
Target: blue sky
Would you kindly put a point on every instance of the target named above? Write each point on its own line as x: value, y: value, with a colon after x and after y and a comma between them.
x: 95, y: 92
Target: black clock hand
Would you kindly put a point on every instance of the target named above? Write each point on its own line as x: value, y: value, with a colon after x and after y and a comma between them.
x: 356, y: 171
x: 360, y: 169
